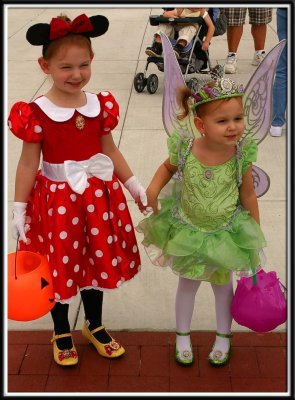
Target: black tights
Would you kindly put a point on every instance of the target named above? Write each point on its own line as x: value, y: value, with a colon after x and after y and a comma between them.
x: 92, y: 302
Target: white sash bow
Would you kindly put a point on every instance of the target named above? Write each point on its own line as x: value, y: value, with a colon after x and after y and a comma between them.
x: 77, y: 172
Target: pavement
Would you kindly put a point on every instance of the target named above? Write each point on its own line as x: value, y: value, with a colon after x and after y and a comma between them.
x: 145, y: 305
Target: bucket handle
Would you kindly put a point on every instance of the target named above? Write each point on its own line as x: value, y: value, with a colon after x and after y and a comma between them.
x: 16, y: 251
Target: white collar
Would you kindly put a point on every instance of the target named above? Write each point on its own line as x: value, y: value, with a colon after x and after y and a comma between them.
x: 61, y: 114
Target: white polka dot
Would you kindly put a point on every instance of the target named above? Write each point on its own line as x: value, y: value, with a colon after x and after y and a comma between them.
x: 55, y: 273
x: 75, y: 220
x: 28, y: 219
x: 110, y: 239
x: 111, y: 215
x: 106, y: 129
x: 105, y: 216
x: 94, y: 282
x: 76, y: 244
x: 132, y: 264
x: 76, y: 268
x: 57, y: 296
x: 98, y: 193
x: 115, y: 185
x: 47, y: 197
x: 69, y: 282
x: 128, y: 228
x: 134, y: 248
x: 53, y: 187
x: 61, y: 186
x: 119, y: 283
x: 50, y: 211
x: 61, y: 210
x: 73, y: 197
x: 39, y: 218
x: 94, y: 231
x: 50, y: 235
x: 90, y: 208
x: 99, y: 253
x: 119, y: 259
x: 40, y: 238
x: 48, y: 258
x: 87, y: 239
x: 84, y: 251
x: 104, y: 275
x: 65, y: 259
x: 84, y: 272
x: 91, y: 261
x: 37, y: 129
x: 51, y: 249
x: 63, y: 234
x: 114, y: 262
x: 124, y: 244
x: 9, y: 124
x: 105, y: 114
x: 105, y: 93
x: 122, y: 206
x: 109, y: 104
x: 28, y: 241
x: 115, y: 238
x: 119, y: 222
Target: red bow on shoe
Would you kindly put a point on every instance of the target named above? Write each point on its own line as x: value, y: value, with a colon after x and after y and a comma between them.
x: 60, y: 28
x: 67, y: 354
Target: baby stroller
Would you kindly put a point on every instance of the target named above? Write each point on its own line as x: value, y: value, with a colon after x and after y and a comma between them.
x: 193, y: 60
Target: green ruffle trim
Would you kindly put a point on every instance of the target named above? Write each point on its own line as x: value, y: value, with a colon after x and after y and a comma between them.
x: 195, y: 254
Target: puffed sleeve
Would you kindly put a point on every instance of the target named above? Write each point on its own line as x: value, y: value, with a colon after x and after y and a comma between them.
x: 249, y: 154
x: 110, y: 111
x: 24, y: 124
x: 176, y: 147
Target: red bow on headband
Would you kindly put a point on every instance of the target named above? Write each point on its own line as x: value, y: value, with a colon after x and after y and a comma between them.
x: 60, y: 28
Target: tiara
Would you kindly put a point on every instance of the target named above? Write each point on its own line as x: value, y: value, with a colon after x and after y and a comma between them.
x: 222, y: 88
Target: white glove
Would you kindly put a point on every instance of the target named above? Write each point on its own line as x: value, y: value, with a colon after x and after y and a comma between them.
x: 136, y: 189
x: 19, y: 227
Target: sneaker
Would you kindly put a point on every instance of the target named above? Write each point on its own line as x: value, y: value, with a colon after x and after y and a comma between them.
x: 258, y: 57
x: 178, y: 49
x: 155, y: 50
x: 276, y: 131
x: 230, y: 66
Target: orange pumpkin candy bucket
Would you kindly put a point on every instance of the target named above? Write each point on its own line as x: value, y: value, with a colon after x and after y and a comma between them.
x: 30, y: 289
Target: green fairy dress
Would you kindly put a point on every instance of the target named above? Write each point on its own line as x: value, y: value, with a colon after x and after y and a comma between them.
x: 201, y: 231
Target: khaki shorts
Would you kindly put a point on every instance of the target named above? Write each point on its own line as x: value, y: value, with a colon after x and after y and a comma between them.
x: 257, y: 16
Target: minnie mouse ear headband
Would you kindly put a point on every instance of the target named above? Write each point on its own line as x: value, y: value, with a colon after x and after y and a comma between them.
x: 44, y: 34
x: 222, y: 88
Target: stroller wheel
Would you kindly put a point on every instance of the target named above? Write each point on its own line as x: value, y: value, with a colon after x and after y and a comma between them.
x: 152, y: 83
x: 193, y: 84
x: 139, y: 82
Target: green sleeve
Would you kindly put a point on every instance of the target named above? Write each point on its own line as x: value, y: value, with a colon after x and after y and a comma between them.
x: 249, y: 154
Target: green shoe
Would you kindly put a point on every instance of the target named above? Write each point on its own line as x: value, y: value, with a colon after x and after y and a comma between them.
x: 185, y: 357
x: 217, y: 358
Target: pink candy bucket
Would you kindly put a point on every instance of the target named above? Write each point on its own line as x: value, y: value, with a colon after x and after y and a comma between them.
x: 260, y: 306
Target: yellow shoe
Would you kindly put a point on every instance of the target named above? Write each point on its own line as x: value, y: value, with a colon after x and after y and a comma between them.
x: 110, y: 350
x: 65, y: 357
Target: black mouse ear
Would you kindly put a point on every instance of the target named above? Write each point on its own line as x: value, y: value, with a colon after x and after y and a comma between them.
x: 100, y: 26
x: 38, y: 34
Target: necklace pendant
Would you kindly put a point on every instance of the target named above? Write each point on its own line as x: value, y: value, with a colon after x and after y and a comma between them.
x: 208, y: 174
x: 80, y: 122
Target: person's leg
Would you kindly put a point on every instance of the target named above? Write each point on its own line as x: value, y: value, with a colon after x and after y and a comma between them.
x: 184, y: 307
x: 259, y: 36
x: 59, y: 314
x: 259, y: 18
x: 235, y: 23
x: 92, y: 302
x: 223, y: 298
x: 279, y: 104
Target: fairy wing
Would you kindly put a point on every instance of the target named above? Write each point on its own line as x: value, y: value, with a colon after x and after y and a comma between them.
x: 257, y: 98
x: 261, y: 181
x: 173, y: 82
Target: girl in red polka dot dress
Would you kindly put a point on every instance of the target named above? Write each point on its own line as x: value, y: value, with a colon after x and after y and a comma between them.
x: 73, y: 209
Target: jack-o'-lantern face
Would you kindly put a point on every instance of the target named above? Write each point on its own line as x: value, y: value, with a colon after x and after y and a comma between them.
x: 30, y: 290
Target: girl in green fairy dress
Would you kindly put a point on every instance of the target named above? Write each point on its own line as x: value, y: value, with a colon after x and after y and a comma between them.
x: 209, y: 226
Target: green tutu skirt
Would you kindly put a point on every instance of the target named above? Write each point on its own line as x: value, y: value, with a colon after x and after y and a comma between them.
x: 195, y: 254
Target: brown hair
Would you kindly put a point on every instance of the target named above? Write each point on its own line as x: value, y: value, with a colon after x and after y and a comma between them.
x: 71, y: 39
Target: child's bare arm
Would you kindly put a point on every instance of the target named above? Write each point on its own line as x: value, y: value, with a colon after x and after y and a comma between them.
x: 248, y: 197
x: 210, y: 32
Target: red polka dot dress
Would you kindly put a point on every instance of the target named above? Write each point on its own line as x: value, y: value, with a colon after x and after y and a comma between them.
x: 77, y: 211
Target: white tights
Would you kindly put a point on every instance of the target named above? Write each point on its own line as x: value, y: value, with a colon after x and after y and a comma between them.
x: 184, y: 307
